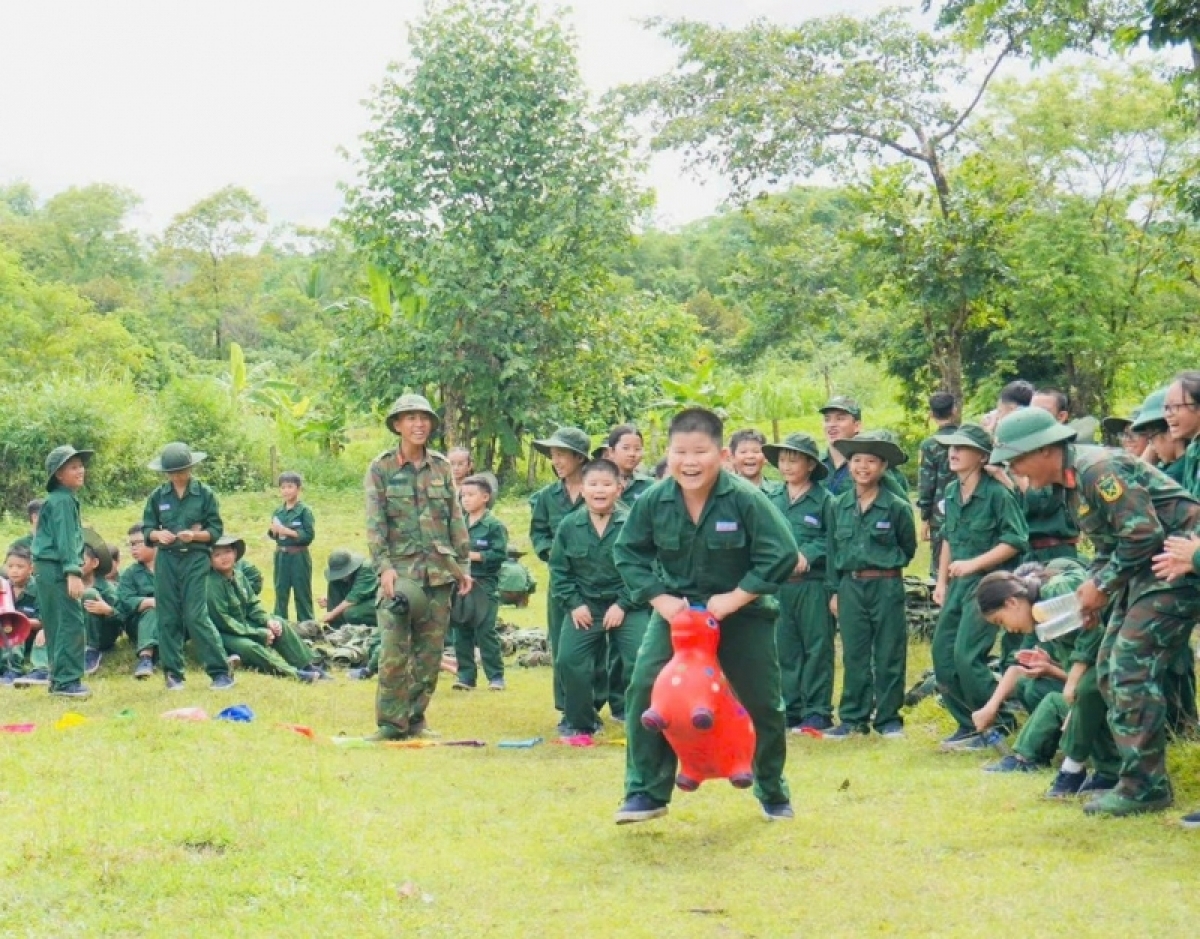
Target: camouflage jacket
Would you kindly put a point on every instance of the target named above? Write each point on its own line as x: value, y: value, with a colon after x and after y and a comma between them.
x: 414, y: 521
x: 1127, y: 508
x: 933, y: 476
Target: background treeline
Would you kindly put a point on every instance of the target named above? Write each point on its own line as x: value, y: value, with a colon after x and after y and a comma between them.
x: 493, y: 252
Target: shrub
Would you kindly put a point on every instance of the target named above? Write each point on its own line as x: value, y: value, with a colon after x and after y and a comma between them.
x: 198, y: 412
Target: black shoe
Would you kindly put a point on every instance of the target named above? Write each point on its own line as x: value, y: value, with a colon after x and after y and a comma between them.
x: 1067, y: 785
x: 91, y: 661
x: 815, y: 722
x: 1012, y: 764
x: 892, y: 730
x: 360, y: 674
x: 842, y: 732
x: 1098, y: 783
x: 222, y: 682
x: 304, y: 675
x: 145, y: 667
x: 777, y: 811
x: 175, y: 682
x: 1191, y: 822
x: 72, y: 689
x: 640, y: 808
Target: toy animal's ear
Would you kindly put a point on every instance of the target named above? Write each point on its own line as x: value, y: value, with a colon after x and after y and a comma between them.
x: 711, y: 622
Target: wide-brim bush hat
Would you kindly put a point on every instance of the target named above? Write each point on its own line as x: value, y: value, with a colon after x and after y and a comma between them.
x: 59, y: 457
x: 342, y: 564
x: 232, y: 541
x: 876, y: 443
x: 99, y: 547
x: 968, y: 435
x: 797, y: 443
x: 565, y: 438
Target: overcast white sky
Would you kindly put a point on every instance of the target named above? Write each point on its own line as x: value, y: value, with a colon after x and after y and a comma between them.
x: 177, y: 98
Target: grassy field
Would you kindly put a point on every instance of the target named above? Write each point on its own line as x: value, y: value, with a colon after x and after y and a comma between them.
x: 131, y: 825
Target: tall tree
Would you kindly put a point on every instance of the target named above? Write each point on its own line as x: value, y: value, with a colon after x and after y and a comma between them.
x: 490, y: 183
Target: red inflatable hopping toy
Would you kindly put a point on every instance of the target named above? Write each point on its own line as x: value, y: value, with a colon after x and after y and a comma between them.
x: 695, y: 708
x: 14, y: 625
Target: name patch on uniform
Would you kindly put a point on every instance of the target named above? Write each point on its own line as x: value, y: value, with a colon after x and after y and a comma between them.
x: 1110, y: 488
x: 164, y: 507
x: 727, y: 526
x: 811, y: 520
x: 883, y: 525
x: 481, y: 543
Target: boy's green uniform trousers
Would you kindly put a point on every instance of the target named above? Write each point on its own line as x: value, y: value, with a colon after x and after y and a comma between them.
x: 242, y: 623
x: 963, y: 639
x: 14, y: 660
x: 102, y: 631
x: 415, y: 528
x: 550, y: 505
x: 742, y: 541
x: 293, y: 561
x: 136, y: 585
x: 57, y: 554
x: 583, y: 574
x: 489, y: 537
x: 805, y: 628
x: 181, y: 576
x: 1127, y: 509
x: 867, y: 554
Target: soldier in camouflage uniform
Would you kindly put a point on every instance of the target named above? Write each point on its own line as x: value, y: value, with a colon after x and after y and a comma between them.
x: 934, y: 476
x: 1127, y: 508
x: 418, y: 542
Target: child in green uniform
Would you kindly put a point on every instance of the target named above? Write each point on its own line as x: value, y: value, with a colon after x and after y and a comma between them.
x: 625, y: 447
x: 872, y: 537
x: 136, y: 603
x: 99, y: 601
x: 702, y: 537
x: 588, y: 587
x: 350, y: 598
x: 248, y: 635
x: 18, y: 569
x: 984, y: 530
x: 183, y: 521
x: 1006, y: 599
x: 568, y: 450
x: 58, y: 564
x: 476, y: 623
x: 293, y: 530
x: 746, y: 452
x: 804, y: 630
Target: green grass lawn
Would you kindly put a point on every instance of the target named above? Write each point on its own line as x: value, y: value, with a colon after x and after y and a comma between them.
x: 138, y: 826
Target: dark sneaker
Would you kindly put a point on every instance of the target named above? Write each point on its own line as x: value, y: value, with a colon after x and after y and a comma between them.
x: 1066, y: 785
x: 1116, y: 805
x: 842, y: 732
x: 892, y: 730
x: 963, y: 737
x: 562, y: 728
x: 222, y: 682
x: 72, y: 689
x: 359, y: 674
x: 174, y: 682
x: 36, y: 678
x: 91, y: 661
x: 497, y: 684
x: 322, y: 673
x: 1012, y: 764
x: 1098, y: 783
x: 462, y: 686
x: 304, y: 675
x: 777, y: 811
x: 814, y: 722
x: 145, y: 668
x: 640, y: 808
x: 1191, y: 822
x: 385, y: 734
x: 8, y: 678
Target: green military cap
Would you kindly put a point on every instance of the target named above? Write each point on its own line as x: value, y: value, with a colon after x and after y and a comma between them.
x: 342, y: 564
x: 880, y: 443
x: 59, y: 457
x: 414, y: 595
x: 411, y: 402
x: 1026, y: 430
x: 1152, y: 411
x: 565, y: 438
x: 467, y: 608
x: 797, y: 443
x: 232, y: 541
x: 516, y: 553
x: 177, y: 456
x: 99, y: 547
x: 1115, y: 426
x: 844, y: 403
x: 968, y: 435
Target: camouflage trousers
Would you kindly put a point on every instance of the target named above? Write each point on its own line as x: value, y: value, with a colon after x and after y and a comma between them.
x: 1140, y: 644
x: 410, y: 655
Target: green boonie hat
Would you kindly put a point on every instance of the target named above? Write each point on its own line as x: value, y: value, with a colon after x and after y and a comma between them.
x: 59, y: 457
x: 968, y: 435
x: 418, y: 603
x: 880, y: 443
x: 99, y: 547
x: 565, y: 438
x: 175, y: 457
x: 1026, y: 430
x: 797, y: 443
x: 342, y: 564
x: 843, y: 403
x: 411, y: 402
x: 467, y: 608
x: 232, y: 541
x: 1153, y: 409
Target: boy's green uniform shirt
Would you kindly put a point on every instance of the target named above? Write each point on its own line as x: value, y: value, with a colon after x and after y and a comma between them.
x: 59, y: 538
x: 299, y: 518
x: 740, y: 540
x: 807, y: 517
x: 137, y: 584
x: 884, y: 537
x: 838, y: 481
x: 1047, y: 516
x: 489, y: 538
x: 582, y: 566
x: 991, y: 517
x: 242, y: 623
x: 165, y: 510
x: 359, y: 591
x: 549, y: 506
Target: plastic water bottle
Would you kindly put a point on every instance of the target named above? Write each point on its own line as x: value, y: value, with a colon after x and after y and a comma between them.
x: 1059, y: 626
x: 1046, y: 610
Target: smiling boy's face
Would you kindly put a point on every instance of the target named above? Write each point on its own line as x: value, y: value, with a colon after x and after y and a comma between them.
x: 748, y: 460
x: 694, y: 460
x: 866, y: 468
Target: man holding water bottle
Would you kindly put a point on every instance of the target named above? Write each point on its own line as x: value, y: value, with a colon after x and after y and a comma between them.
x: 1127, y: 508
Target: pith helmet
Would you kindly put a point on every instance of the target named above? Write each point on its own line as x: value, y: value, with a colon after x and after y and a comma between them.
x: 797, y: 443
x: 1026, y: 430
x: 59, y: 457
x: 232, y: 541
x: 969, y: 435
x: 342, y: 564
x: 413, y: 595
x: 875, y: 442
x: 175, y: 457
x: 565, y: 438
x: 411, y: 402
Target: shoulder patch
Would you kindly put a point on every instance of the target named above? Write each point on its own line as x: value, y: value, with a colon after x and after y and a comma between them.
x: 1110, y: 488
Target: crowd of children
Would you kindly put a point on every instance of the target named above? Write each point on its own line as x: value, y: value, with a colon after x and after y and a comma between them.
x: 785, y: 566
